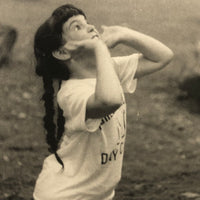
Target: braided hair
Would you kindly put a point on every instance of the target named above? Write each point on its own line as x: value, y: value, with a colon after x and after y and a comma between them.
x: 48, y: 38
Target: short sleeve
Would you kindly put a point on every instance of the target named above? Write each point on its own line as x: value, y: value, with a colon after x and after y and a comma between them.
x: 72, y: 98
x: 126, y: 67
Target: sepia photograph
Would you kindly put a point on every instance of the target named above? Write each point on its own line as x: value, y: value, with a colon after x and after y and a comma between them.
x: 99, y: 100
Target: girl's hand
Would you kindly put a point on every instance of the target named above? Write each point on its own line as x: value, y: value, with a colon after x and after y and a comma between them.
x: 82, y: 44
x: 112, y: 35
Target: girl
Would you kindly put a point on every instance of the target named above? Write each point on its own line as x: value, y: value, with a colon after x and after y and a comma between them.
x: 87, y: 144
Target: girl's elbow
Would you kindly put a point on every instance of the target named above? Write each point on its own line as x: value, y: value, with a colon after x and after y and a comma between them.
x: 114, y: 106
x: 168, y: 57
x: 117, y: 104
x: 113, y: 103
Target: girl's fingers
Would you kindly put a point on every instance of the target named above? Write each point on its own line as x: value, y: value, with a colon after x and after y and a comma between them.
x: 70, y: 47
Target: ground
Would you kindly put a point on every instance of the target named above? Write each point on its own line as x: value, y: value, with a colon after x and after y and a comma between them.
x: 162, y: 150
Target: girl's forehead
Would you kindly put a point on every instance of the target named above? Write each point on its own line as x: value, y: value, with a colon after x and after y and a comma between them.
x: 71, y: 20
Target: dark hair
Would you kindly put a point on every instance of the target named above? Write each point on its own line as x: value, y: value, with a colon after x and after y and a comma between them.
x: 48, y: 38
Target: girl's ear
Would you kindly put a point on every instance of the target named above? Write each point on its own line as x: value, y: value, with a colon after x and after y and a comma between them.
x: 61, y: 54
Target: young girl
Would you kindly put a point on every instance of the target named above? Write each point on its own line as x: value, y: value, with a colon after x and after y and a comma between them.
x: 87, y: 144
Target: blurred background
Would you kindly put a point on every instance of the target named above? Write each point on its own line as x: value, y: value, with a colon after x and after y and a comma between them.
x: 163, y: 141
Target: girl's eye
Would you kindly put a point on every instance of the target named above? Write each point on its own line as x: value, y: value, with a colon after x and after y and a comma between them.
x: 77, y: 27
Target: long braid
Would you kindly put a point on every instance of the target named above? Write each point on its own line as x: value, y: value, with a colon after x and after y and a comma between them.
x: 48, y: 119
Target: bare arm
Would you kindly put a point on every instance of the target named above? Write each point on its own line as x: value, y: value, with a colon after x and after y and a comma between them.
x: 155, y: 55
x: 107, y: 97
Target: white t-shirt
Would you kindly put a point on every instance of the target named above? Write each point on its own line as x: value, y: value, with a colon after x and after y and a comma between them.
x: 92, y: 151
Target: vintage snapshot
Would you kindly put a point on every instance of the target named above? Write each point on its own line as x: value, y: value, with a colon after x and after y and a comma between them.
x: 100, y: 100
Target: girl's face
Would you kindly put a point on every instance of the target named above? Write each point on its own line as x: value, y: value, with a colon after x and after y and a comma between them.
x: 77, y: 28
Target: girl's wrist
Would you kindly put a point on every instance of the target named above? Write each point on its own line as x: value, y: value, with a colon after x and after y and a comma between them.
x: 99, y: 45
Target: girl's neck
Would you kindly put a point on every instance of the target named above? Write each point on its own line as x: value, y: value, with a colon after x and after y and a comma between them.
x: 83, y: 66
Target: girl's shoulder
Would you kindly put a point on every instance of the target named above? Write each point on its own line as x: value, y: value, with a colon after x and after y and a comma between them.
x: 74, y: 86
x: 75, y: 83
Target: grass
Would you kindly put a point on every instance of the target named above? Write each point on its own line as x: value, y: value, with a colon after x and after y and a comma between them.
x: 162, y: 149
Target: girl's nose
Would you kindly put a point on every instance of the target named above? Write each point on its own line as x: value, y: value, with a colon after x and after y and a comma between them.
x: 90, y: 28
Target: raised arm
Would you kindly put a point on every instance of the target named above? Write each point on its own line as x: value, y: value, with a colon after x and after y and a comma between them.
x: 155, y: 55
x: 108, y: 95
